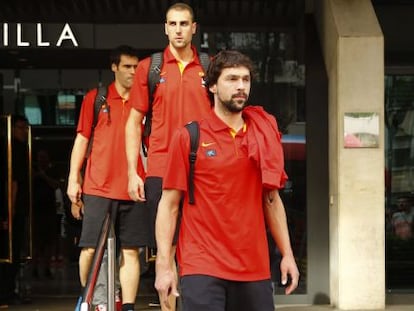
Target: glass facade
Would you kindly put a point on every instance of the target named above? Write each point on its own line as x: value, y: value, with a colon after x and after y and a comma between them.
x: 65, y: 109
x: 399, y: 181
x: 5, y: 187
x: 51, y: 107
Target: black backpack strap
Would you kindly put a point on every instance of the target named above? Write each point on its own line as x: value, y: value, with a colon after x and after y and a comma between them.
x: 204, y: 60
x: 154, y: 74
x: 194, y: 131
x: 100, y: 99
x: 154, y: 71
x: 205, y: 63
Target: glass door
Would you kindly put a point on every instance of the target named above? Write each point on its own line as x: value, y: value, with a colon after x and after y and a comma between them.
x: 399, y: 181
x: 5, y: 189
x: 15, y: 194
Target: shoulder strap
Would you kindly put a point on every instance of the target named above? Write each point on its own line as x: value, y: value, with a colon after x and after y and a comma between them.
x: 154, y: 71
x: 194, y: 131
x: 100, y: 99
x: 204, y: 60
x: 153, y: 79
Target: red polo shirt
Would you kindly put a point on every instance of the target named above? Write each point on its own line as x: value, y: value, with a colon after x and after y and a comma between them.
x: 223, y: 234
x: 178, y: 99
x: 106, y: 168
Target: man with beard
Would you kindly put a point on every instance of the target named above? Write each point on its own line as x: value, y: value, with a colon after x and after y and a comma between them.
x: 105, y: 182
x: 222, y: 247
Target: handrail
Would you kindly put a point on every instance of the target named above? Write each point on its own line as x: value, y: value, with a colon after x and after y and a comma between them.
x: 107, y: 233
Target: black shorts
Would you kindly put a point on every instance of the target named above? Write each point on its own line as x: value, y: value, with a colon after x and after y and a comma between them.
x: 206, y: 293
x: 153, y: 192
x: 130, y: 221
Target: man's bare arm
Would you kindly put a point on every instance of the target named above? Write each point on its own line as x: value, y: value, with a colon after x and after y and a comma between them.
x: 133, y: 140
x: 76, y: 161
x: 166, y: 281
x: 275, y: 215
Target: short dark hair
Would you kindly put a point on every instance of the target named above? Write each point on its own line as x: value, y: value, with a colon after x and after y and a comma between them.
x: 180, y: 6
x: 115, y: 56
x: 228, y: 59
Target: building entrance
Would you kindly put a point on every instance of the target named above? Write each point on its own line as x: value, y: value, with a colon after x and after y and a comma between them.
x: 50, y: 95
x: 399, y: 174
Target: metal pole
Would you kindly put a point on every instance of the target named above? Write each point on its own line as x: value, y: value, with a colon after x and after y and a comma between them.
x: 96, y: 262
x: 111, y: 243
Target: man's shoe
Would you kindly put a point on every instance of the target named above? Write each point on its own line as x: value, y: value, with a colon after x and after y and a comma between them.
x: 100, y: 308
x: 155, y: 303
x: 118, y: 301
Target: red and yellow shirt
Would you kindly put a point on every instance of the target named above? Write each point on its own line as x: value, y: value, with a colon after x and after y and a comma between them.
x: 179, y: 98
x: 223, y: 234
x: 106, y: 168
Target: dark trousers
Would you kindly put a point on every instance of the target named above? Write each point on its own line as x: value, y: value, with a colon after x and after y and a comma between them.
x: 207, y: 293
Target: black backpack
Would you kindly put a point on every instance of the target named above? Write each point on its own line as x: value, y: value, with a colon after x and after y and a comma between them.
x: 153, y: 80
x: 192, y: 127
x: 100, y: 100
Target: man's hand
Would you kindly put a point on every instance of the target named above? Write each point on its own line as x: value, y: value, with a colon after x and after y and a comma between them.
x: 288, y: 267
x: 136, y: 188
x: 77, y: 210
x: 74, y: 191
x: 166, y: 285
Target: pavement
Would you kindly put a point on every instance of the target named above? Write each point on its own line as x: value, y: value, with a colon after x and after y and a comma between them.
x: 59, y: 293
x: 67, y: 304
x: 330, y: 308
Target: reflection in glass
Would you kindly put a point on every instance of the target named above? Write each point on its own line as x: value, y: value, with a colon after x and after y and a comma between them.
x: 32, y: 109
x: 16, y: 202
x: 399, y: 181
x: 5, y: 189
x: 65, y: 109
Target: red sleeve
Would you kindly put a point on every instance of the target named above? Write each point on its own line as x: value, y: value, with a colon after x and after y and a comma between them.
x: 86, y: 114
x: 176, y: 174
x: 138, y: 96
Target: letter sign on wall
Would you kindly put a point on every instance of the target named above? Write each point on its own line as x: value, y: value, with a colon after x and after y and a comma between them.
x: 25, y: 35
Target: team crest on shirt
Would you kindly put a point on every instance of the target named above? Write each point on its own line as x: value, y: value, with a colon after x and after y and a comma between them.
x: 210, y: 153
x: 163, y: 77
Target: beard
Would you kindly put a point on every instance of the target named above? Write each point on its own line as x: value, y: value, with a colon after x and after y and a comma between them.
x: 234, y: 105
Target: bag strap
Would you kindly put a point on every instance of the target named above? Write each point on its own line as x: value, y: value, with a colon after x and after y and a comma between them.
x: 154, y: 71
x: 154, y: 75
x: 194, y: 131
x: 204, y: 60
x: 100, y: 99
x: 156, y: 62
